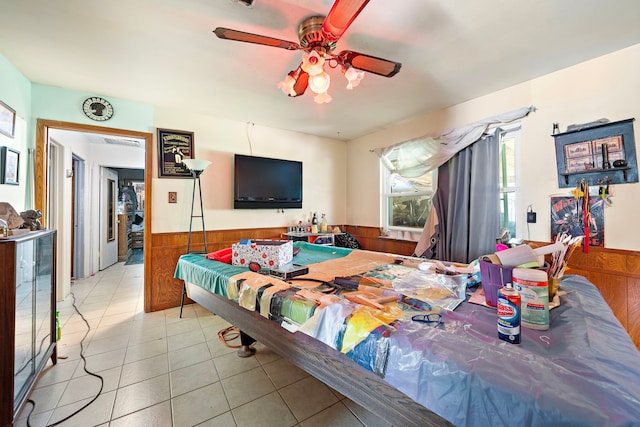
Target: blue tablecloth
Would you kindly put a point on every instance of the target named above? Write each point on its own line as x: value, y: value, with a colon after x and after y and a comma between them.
x: 583, y: 371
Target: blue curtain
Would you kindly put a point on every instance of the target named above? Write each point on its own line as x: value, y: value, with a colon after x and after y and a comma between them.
x: 467, y: 202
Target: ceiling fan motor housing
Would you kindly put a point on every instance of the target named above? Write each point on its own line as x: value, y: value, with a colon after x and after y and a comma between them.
x: 311, y: 37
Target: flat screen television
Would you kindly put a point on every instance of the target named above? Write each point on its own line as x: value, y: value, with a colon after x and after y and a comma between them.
x: 265, y: 183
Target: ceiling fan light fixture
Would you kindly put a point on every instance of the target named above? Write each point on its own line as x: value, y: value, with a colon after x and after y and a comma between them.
x: 322, y: 98
x: 312, y: 63
x: 353, y: 76
x: 287, y: 84
x: 320, y: 82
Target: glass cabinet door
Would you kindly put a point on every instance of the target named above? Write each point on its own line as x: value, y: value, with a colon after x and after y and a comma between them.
x: 42, y: 315
x: 24, y: 365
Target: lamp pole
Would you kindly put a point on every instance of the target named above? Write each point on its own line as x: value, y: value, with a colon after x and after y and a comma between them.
x: 196, y: 180
x: 196, y: 167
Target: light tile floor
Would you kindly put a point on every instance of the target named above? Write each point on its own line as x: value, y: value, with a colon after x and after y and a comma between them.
x: 161, y: 370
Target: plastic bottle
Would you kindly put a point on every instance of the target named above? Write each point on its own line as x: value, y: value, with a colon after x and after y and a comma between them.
x: 323, y: 224
x: 58, y: 328
x: 4, y: 228
x: 533, y: 286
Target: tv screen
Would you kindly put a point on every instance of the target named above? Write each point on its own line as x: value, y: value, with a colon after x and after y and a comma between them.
x: 264, y: 183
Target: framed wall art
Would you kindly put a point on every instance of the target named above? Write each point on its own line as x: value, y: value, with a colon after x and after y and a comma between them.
x: 567, y: 217
x: 9, y: 166
x: 7, y: 120
x: 173, y: 147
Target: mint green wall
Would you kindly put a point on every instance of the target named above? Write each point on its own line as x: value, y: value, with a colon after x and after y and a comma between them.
x: 15, y: 89
x: 54, y: 103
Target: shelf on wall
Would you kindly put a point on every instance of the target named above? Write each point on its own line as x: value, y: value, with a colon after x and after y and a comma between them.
x: 577, y: 149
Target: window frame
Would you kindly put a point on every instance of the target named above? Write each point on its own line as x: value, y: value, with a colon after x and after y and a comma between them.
x: 386, y: 195
x: 516, y: 130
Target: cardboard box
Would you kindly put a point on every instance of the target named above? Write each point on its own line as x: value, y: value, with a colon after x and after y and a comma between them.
x: 267, y: 253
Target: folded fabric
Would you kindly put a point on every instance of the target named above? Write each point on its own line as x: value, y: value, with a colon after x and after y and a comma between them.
x: 223, y: 255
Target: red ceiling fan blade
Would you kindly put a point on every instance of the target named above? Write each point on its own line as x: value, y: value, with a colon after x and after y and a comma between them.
x: 241, y: 36
x: 368, y: 63
x: 341, y: 15
x: 301, y: 84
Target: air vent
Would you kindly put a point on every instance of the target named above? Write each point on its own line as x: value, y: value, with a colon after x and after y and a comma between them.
x: 123, y: 141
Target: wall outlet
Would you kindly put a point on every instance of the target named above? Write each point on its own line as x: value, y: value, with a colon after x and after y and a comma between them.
x: 531, y: 217
x: 173, y: 197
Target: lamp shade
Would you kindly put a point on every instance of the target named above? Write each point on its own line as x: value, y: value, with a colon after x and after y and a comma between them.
x: 196, y: 165
x: 320, y: 82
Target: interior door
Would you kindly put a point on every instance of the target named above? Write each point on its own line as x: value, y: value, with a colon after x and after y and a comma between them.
x: 108, y: 217
x: 77, y: 217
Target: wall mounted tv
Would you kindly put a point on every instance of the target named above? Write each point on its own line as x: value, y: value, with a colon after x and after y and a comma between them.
x: 265, y: 183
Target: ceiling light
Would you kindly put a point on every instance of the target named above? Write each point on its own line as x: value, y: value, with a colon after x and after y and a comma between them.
x: 319, y: 83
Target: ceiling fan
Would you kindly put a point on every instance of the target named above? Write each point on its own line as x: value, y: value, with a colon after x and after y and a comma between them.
x: 318, y: 36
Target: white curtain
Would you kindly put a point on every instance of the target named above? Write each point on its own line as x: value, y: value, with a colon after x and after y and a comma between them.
x: 420, y: 155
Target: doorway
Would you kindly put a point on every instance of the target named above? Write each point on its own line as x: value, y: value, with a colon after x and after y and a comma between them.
x: 55, y: 207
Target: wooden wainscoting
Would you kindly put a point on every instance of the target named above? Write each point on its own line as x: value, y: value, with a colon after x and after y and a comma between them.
x: 163, y: 291
x: 370, y: 239
x: 616, y: 273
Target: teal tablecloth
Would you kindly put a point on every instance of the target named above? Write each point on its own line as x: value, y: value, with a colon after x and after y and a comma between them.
x: 214, y: 275
x: 208, y: 274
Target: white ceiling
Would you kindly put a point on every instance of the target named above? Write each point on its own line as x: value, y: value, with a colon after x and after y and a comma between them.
x: 163, y: 52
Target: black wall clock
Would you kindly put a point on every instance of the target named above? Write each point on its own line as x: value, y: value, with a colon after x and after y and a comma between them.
x: 97, y: 108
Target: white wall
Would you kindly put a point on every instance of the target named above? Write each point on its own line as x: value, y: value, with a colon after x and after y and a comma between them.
x: 324, y: 174
x: 604, y: 87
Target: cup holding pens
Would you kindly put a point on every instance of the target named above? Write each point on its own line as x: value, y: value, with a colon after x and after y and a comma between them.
x: 554, y: 285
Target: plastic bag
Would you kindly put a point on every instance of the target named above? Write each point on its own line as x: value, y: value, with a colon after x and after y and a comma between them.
x: 442, y: 290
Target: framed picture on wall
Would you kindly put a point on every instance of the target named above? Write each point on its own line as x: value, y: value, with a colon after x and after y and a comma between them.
x: 7, y: 120
x: 9, y: 166
x: 567, y: 217
x: 173, y: 147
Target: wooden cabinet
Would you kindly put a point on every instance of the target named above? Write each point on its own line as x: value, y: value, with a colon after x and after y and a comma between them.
x: 124, y: 241
x: 27, y: 315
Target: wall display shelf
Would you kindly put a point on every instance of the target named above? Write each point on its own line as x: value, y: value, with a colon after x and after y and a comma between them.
x: 27, y: 316
x: 592, y: 154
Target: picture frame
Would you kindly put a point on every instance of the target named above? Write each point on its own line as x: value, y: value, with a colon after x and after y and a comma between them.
x: 7, y: 120
x: 9, y: 166
x: 173, y: 146
x: 566, y: 217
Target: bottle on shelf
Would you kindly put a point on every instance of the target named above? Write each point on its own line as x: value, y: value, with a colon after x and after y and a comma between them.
x: 323, y: 223
x: 314, y: 223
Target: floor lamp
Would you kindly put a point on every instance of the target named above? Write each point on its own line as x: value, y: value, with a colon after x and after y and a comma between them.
x: 196, y: 167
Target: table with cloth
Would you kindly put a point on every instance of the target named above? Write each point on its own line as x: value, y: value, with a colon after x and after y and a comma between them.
x: 584, y: 370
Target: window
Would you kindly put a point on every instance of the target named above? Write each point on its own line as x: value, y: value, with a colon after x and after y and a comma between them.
x: 406, y: 200
x: 407, y: 197
x: 509, y: 140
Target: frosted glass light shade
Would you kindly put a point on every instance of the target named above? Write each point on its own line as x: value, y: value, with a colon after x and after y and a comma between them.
x: 320, y: 82
x: 197, y: 165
